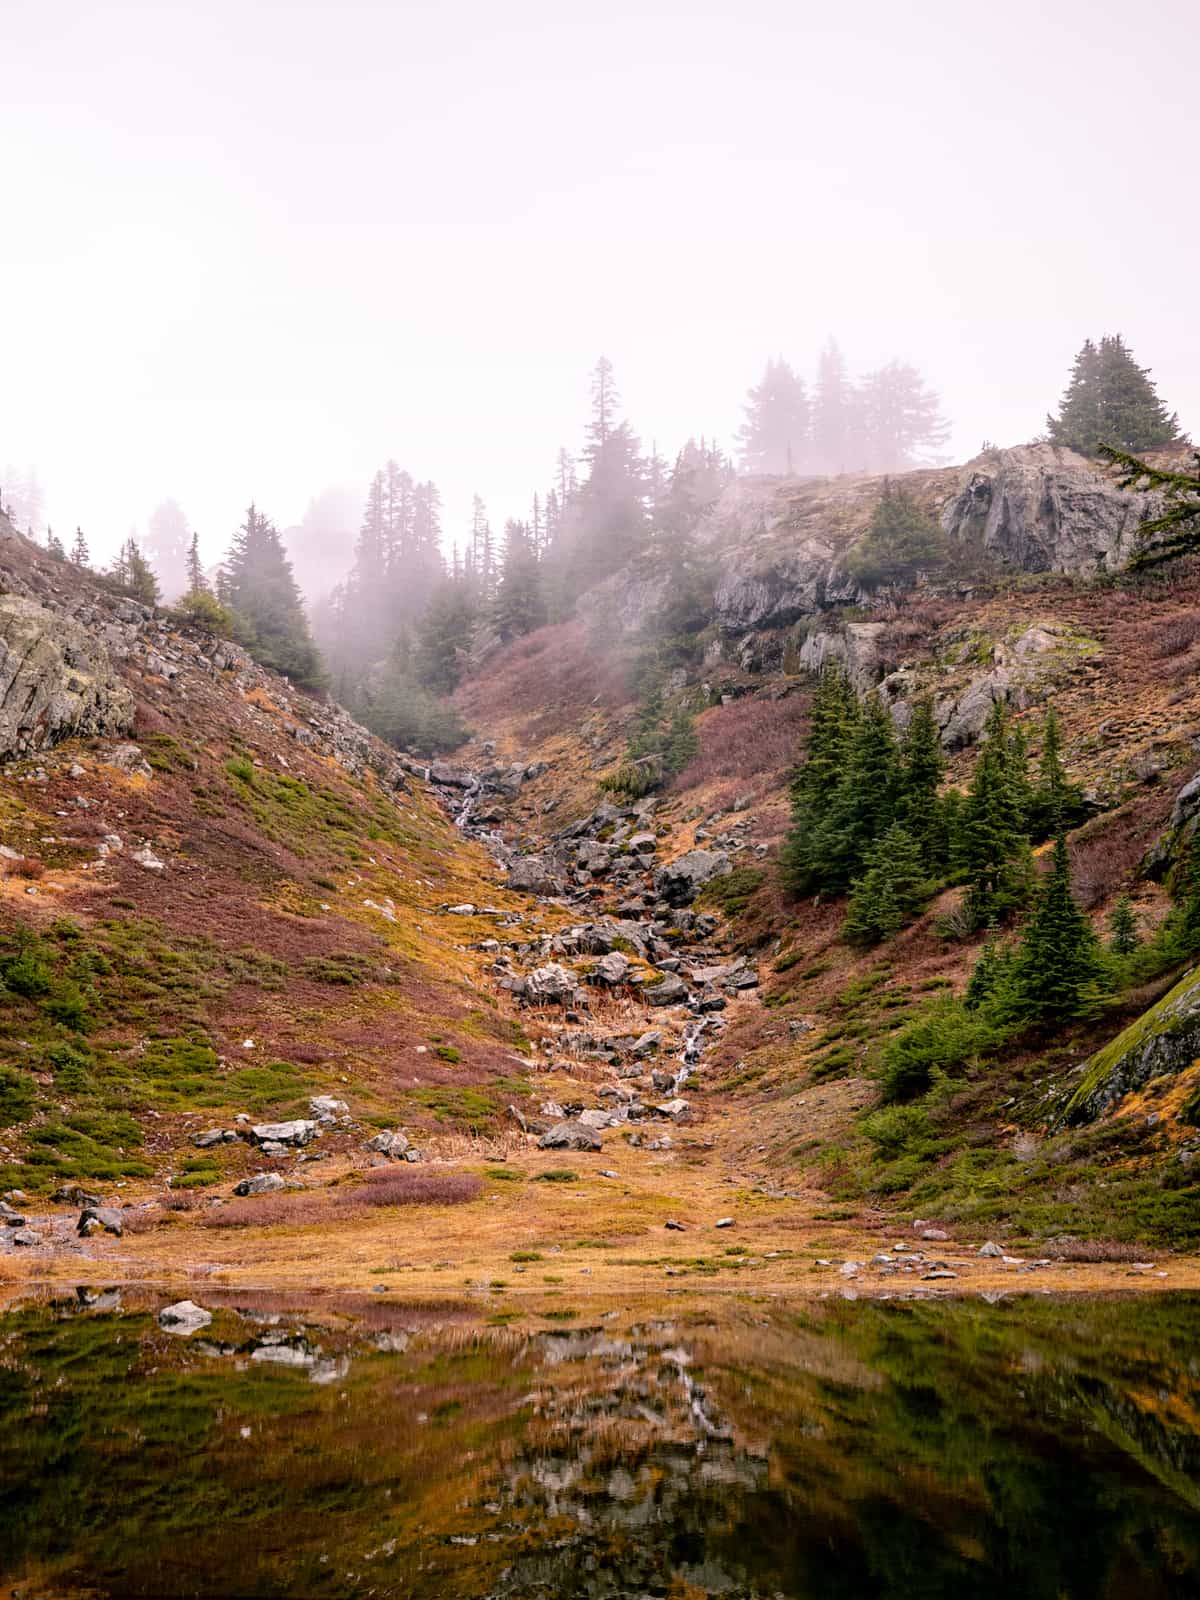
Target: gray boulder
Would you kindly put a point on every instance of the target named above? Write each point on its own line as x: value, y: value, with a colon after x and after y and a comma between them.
x: 260, y: 1183
x: 99, y: 1219
x: 326, y: 1109
x: 300, y: 1131
x: 26, y: 1238
x: 550, y: 985
x: 534, y: 875
x: 571, y: 1136
x: 669, y: 991
x: 392, y: 1144
x: 679, y: 882
x: 612, y: 969
x: 213, y: 1136
x: 10, y: 1218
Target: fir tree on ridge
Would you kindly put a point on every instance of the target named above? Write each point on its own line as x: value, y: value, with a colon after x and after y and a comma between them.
x: 1110, y: 400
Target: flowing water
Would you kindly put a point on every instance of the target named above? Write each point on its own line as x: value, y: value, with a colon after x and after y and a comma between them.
x: 1028, y: 1448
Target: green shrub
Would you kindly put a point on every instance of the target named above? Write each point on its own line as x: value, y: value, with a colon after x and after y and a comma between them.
x: 17, y: 1097
x: 944, y: 1041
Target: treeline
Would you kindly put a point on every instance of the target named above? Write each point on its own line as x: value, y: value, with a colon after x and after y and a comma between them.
x: 400, y: 632
x: 888, y: 420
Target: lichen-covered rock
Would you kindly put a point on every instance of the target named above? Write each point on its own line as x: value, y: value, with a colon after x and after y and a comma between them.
x: 571, y: 1136
x: 1179, y: 831
x: 56, y: 680
x: 1163, y: 1040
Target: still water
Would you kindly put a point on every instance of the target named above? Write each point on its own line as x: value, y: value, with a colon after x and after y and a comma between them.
x: 1025, y: 1449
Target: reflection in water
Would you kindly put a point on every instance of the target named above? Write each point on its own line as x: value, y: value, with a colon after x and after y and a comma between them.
x: 1026, y: 1449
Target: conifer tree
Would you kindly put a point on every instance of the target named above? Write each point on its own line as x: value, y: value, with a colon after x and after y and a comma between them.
x: 1058, y: 968
x: 1055, y: 802
x: 197, y: 583
x: 897, y: 420
x: 990, y: 973
x: 519, y: 606
x: 80, y: 555
x: 864, y: 802
x: 833, y: 719
x: 892, y: 889
x: 133, y: 575
x: 54, y: 545
x: 257, y: 586
x: 445, y: 633
x: 1110, y: 400
x: 775, y: 435
x: 993, y: 850
x: 922, y: 768
x: 831, y: 413
x: 902, y: 542
x: 1123, y: 935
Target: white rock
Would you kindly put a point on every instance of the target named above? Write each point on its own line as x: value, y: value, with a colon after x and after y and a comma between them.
x: 184, y: 1317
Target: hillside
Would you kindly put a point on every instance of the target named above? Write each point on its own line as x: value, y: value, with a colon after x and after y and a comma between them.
x: 247, y: 945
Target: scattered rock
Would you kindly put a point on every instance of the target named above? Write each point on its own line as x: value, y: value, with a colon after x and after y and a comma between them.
x: 990, y: 1249
x: 26, y: 1238
x: 326, y: 1109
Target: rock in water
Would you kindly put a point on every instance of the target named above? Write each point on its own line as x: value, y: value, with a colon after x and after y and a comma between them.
x: 184, y: 1317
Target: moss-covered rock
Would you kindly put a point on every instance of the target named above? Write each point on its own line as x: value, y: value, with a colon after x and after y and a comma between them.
x: 1163, y: 1040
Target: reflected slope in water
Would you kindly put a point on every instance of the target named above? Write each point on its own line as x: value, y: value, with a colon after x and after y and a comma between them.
x: 1031, y: 1448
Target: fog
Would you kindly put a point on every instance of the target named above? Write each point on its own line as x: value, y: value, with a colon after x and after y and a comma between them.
x: 252, y: 251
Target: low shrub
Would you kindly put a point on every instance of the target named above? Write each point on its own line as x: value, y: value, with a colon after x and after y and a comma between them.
x: 406, y: 1186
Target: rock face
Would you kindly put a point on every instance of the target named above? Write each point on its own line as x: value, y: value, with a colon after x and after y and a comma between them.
x: 1041, y: 509
x: 56, y: 680
x: 1164, y: 1040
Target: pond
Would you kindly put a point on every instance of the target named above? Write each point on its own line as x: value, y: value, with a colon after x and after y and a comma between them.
x: 1025, y: 1448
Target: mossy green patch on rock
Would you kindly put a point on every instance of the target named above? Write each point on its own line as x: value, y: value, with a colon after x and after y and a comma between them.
x: 1164, y: 1039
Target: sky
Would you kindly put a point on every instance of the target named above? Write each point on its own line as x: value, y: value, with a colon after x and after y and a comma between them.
x: 249, y: 250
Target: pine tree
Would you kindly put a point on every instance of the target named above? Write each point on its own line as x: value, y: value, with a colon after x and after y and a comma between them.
x: 993, y: 851
x: 863, y: 804
x: 197, y: 583
x: 990, y: 974
x: 1110, y: 400
x: 901, y: 543
x: 898, y: 420
x: 833, y: 719
x: 775, y: 435
x: 832, y: 413
x: 256, y: 584
x: 1057, y: 970
x: 445, y: 633
x: 892, y: 889
x: 54, y: 545
x: 80, y: 555
x: 519, y: 606
x: 922, y: 768
x: 133, y: 575
x: 1055, y: 802
x: 166, y: 547
x: 1123, y: 935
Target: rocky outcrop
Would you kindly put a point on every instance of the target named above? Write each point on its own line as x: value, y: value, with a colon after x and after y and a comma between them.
x: 680, y: 881
x: 1164, y: 1040
x: 1041, y: 509
x: 56, y: 680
